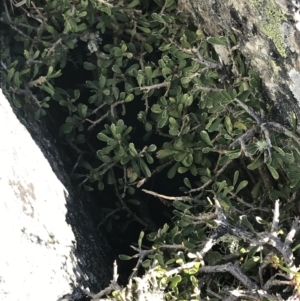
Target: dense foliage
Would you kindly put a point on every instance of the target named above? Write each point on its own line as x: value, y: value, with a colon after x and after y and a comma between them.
x: 142, y: 94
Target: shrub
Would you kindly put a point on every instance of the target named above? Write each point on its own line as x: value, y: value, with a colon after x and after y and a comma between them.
x: 142, y: 94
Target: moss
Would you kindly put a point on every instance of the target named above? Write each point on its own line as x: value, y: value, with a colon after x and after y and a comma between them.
x: 271, y: 16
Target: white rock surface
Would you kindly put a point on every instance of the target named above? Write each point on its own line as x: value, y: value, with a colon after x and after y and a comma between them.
x: 37, y: 260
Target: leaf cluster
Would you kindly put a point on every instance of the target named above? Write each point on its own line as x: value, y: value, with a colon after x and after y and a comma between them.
x: 159, y: 104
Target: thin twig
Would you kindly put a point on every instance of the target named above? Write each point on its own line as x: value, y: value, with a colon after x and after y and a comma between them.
x: 156, y: 86
x: 218, y: 173
x: 169, y: 198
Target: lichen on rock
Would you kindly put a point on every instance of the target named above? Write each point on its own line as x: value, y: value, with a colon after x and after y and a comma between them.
x: 271, y: 17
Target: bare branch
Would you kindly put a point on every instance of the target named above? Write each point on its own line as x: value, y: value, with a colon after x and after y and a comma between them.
x: 169, y: 198
x: 200, y: 59
x: 275, y: 223
x: 218, y: 173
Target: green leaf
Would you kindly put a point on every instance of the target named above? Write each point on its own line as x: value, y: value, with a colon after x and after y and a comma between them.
x: 129, y: 98
x: 10, y: 73
x: 156, y: 17
x: 174, y: 281
x: 132, y: 150
x: 232, y: 38
x: 182, y: 55
x: 106, y: 92
x: 213, y: 257
x: 279, y: 150
x: 162, y: 122
x: 163, y: 153
x: 253, y: 251
x: 119, y: 151
x: 140, y: 79
x: 116, y: 69
x: 82, y: 110
x: 47, y: 89
x: 273, y: 172
x: 105, y: 159
x: 133, y: 4
x: 141, y: 239
x: 124, y: 257
x: 81, y: 27
x: 183, y: 169
x: 233, y: 154
x: 261, y: 221
x: 180, y: 156
x: 89, y: 66
x: 103, y: 137
x: 235, y: 177
x: 276, y: 194
x: 187, y: 183
x: 148, y: 71
x: 250, y: 264
x: 188, y: 160
x: 133, y: 177
x: 100, y: 185
x: 145, y: 168
x: 148, y: 47
x: 17, y: 82
x: 182, y: 206
x: 50, y: 70
x: 206, y: 137
x: 102, y: 81
x: 245, y: 221
x: 131, y: 190
x: 256, y: 189
x: 217, y: 41
x: 134, y: 202
x: 76, y: 94
x: 159, y: 259
x: 49, y: 28
x: 88, y: 188
x: 151, y: 148
x: 172, y: 171
x: 224, y: 160
x: 150, y: 160
x: 17, y: 104
x: 26, y: 54
x: 213, y: 124
x: 146, y: 263
x: 185, y: 80
x: 228, y: 124
x: 144, y: 29
x: 239, y: 125
x: 168, y: 3
x: 156, y: 108
x: 164, y: 47
x: 225, y: 203
x: 189, y: 100
x: 67, y: 128
x: 254, y: 83
x: 226, y: 95
x: 244, y: 95
x: 242, y: 185
x: 257, y: 162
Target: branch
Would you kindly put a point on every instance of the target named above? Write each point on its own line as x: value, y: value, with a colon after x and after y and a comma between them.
x: 156, y: 86
x: 114, y: 286
x: 200, y: 59
x: 169, y: 198
x: 234, y: 270
x: 281, y: 129
x: 218, y: 173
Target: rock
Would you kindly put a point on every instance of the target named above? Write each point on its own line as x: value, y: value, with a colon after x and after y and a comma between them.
x: 269, y: 38
x: 49, y: 246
